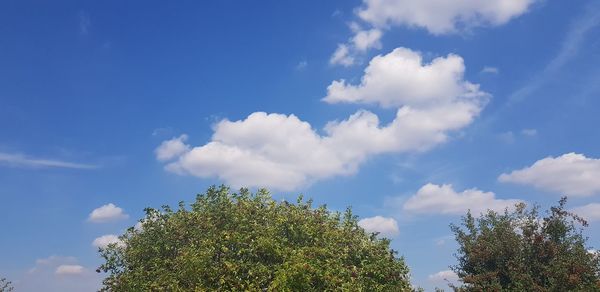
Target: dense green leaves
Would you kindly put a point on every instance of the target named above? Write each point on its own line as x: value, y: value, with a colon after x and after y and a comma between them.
x: 242, y: 241
x: 519, y: 251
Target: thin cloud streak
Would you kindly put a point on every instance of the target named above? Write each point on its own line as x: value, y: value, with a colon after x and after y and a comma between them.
x: 569, y: 49
x: 19, y: 160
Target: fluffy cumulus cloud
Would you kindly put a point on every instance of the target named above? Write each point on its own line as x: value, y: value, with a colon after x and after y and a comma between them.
x: 387, y: 227
x: 284, y: 152
x: 589, y: 212
x: 436, y: 16
x: 171, y: 148
x: 104, y: 240
x: 107, y: 213
x: 570, y: 174
x: 401, y: 78
x: 443, y: 199
x: 440, y: 16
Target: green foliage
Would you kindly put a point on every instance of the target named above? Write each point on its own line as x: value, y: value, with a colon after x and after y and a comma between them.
x: 518, y: 251
x: 249, y: 242
x: 5, y: 285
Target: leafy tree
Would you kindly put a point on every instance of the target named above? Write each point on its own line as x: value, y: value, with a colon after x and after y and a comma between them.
x: 518, y: 251
x: 249, y: 242
x: 5, y: 285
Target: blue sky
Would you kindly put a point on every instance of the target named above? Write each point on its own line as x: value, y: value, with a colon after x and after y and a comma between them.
x: 409, y: 112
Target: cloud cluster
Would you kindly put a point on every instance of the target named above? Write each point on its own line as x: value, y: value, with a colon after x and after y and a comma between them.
x: 443, y: 199
x: 388, y: 227
x: 284, y: 152
x: 438, y: 17
x: 570, y: 174
x: 107, y: 213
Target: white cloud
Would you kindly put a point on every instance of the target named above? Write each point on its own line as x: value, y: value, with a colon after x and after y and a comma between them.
x: 443, y: 199
x: 19, y: 160
x: 443, y: 276
x: 387, y: 227
x: 301, y: 65
x: 507, y: 137
x: 366, y: 39
x: 437, y: 16
x: 529, y: 132
x: 570, y: 174
x: 284, y: 152
x: 400, y: 78
x: 490, y: 70
x: 58, y: 273
x: 342, y: 56
x: 575, y: 38
x: 440, y: 16
x: 589, y: 212
x: 106, y: 213
x: 104, y: 240
x: 69, y: 270
x: 171, y: 148
x: 84, y: 23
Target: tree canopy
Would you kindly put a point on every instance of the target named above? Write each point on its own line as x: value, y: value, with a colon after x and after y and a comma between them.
x: 249, y: 242
x: 520, y: 251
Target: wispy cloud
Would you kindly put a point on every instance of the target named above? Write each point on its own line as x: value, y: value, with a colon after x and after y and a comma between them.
x: 20, y: 160
x: 84, y: 23
x: 570, y: 47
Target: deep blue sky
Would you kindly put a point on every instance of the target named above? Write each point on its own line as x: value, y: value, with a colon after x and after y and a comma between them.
x: 94, y: 88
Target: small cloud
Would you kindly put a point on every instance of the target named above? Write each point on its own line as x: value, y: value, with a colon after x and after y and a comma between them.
x: 529, y: 132
x: 507, y: 137
x: 490, y: 70
x: 387, y: 227
x: 58, y: 273
x: 84, y: 23
x: 163, y: 131
x: 172, y: 148
x: 342, y: 56
x: 106, y: 213
x: 441, y: 276
x: 443, y: 240
x: 69, y: 270
x: 20, y: 160
x: 105, y: 240
x: 301, y: 65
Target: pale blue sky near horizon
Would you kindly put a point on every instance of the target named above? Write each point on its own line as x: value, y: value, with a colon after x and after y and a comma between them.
x: 93, y: 92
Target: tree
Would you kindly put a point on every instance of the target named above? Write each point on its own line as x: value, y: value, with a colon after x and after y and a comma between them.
x: 5, y: 285
x: 518, y: 251
x: 249, y: 242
